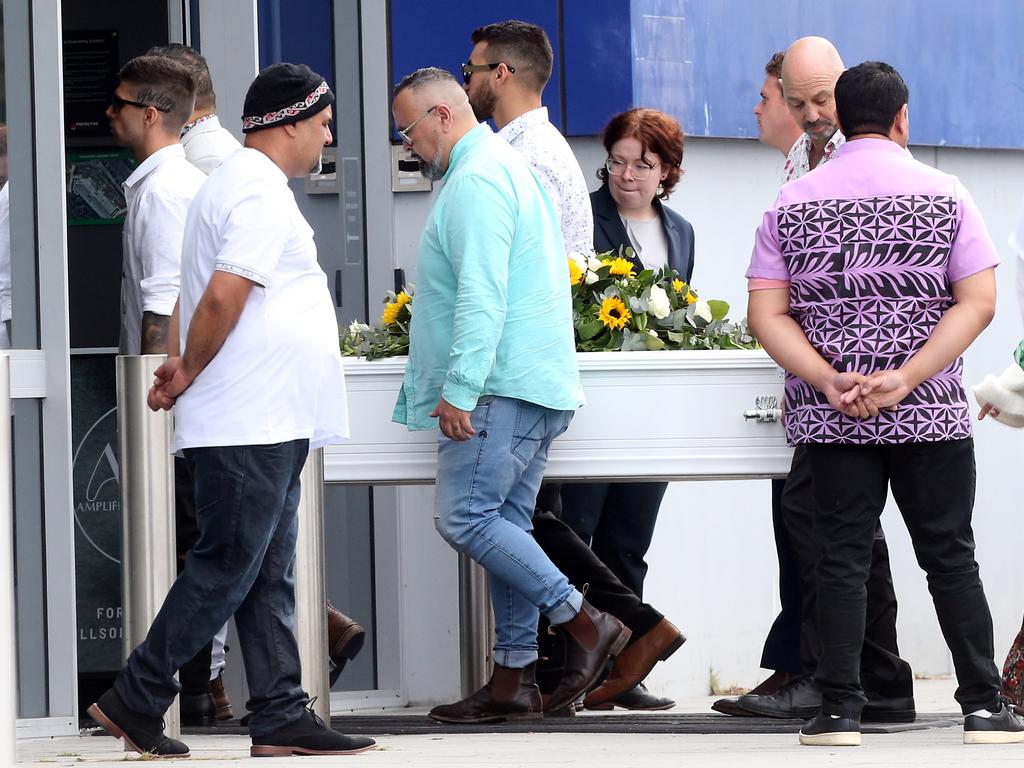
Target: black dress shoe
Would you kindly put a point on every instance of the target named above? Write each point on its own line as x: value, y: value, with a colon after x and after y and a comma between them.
x: 308, y: 736
x: 798, y: 699
x: 636, y: 698
x: 885, y: 709
x: 141, y: 733
x: 831, y: 731
x: 730, y: 706
x: 197, y: 709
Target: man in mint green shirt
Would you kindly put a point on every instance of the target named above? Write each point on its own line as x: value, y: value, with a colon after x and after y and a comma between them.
x: 492, y: 359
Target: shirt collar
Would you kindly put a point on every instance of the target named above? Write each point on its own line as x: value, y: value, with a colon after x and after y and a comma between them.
x: 469, y: 140
x: 154, y: 161
x: 210, y: 121
x: 870, y: 145
x: 517, y: 127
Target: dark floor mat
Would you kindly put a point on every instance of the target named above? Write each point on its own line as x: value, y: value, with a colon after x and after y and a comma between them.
x: 396, y: 724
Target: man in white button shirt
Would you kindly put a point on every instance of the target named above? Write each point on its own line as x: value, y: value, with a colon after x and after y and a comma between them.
x: 257, y: 384
x: 153, y: 99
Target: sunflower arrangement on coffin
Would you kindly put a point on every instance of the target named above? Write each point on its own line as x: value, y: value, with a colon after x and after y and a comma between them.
x: 614, y: 309
x: 617, y: 309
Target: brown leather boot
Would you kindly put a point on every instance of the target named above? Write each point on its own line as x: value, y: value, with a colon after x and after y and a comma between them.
x: 220, y: 697
x: 510, y: 694
x: 593, y: 637
x: 344, y: 636
x: 636, y: 662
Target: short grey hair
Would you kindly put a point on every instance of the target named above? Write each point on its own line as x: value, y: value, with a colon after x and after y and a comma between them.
x: 423, y: 77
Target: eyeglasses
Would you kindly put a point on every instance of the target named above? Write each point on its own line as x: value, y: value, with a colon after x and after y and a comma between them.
x: 468, y: 69
x: 117, y: 102
x: 404, y: 132
x: 640, y: 171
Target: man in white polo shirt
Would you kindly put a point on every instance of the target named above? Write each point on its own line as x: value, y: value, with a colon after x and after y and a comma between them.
x: 258, y: 382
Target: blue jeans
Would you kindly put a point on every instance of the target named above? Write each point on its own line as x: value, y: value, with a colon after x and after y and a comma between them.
x: 483, y: 507
x: 242, y: 565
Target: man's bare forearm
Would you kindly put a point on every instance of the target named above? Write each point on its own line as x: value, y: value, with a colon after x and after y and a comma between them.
x: 154, y: 333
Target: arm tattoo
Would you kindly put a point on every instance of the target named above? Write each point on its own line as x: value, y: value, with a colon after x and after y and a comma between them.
x: 154, y: 333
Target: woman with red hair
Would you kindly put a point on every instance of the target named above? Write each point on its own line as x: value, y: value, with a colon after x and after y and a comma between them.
x: 645, y: 155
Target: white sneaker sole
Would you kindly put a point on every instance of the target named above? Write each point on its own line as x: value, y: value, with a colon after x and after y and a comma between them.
x: 993, y: 737
x: 830, y: 739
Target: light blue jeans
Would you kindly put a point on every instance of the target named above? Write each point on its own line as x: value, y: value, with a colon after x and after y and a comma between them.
x: 483, y: 507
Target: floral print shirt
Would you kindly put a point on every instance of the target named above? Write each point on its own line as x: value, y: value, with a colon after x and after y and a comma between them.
x: 798, y: 162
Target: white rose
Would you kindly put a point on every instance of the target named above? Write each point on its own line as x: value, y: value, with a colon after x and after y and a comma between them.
x: 658, y: 304
x: 702, y: 310
x: 579, y: 259
x: 593, y: 263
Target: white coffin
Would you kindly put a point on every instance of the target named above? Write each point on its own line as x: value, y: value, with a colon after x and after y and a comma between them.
x: 649, y: 415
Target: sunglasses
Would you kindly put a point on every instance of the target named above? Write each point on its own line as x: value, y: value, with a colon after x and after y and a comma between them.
x: 117, y: 102
x: 468, y: 69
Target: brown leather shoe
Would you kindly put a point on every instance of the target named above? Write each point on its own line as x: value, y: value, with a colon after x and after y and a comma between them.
x: 592, y: 637
x: 220, y: 697
x: 636, y: 662
x: 344, y: 636
x: 510, y: 694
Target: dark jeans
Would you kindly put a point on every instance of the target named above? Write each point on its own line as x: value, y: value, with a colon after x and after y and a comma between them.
x: 882, y: 672
x: 617, y: 520
x: 242, y: 565
x: 581, y: 566
x: 933, y: 484
x: 194, y: 674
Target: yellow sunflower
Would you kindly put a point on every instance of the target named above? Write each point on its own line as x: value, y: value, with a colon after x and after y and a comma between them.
x: 391, y: 311
x: 402, y: 298
x: 620, y: 266
x: 575, y: 273
x: 678, y: 285
x: 691, y: 297
x: 614, y: 313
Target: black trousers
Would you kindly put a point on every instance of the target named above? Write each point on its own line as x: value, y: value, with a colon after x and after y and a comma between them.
x: 617, y: 520
x: 582, y: 567
x: 882, y: 672
x: 933, y: 484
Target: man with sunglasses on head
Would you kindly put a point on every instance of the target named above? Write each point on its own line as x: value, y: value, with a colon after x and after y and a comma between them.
x: 505, y: 77
x: 493, y: 363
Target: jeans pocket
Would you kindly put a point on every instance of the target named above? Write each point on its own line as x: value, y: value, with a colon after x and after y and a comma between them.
x: 531, y: 426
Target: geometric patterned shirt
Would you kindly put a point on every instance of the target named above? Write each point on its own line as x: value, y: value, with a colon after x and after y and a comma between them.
x: 871, y: 243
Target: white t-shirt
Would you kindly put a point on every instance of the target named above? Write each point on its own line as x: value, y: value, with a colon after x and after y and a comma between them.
x: 158, y: 194
x: 207, y: 143
x: 553, y: 162
x: 278, y: 376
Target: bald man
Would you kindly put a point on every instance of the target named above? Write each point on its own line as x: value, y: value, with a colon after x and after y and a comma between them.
x: 810, y: 69
x: 492, y: 361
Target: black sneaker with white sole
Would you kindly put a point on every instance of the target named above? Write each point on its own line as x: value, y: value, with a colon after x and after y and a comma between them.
x: 1002, y: 727
x: 831, y: 731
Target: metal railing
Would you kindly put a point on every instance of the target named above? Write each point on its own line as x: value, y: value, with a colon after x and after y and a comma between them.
x: 8, y: 653
x: 148, y: 565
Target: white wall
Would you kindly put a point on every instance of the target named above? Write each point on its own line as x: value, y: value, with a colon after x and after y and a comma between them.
x: 713, y: 567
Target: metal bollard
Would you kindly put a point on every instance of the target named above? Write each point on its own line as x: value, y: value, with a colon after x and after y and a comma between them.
x: 310, y: 612
x: 148, y: 566
x: 476, y: 626
x: 8, y: 667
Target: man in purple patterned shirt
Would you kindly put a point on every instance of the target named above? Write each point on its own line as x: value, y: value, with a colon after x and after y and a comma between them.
x: 868, y: 280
